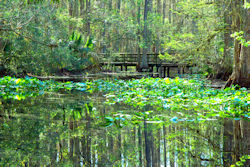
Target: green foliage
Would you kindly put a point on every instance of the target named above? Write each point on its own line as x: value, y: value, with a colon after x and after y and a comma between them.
x: 77, y: 43
x: 239, y: 37
x: 41, y: 32
x: 242, y: 161
x: 193, y: 98
x: 21, y: 88
x: 38, y: 40
x: 38, y: 1
x: 18, y: 89
x: 246, y: 5
x: 64, y: 117
x: 195, y: 35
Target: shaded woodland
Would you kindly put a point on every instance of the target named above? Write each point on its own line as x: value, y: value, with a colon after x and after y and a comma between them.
x: 47, y: 37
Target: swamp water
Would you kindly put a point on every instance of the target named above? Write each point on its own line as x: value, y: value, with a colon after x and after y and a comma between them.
x: 60, y: 129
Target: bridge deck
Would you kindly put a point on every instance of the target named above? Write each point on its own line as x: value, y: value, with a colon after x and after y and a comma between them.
x: 131, y: 59
x: 149, y: 64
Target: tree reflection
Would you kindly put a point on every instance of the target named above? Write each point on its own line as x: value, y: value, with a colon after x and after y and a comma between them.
x: 61, y: 130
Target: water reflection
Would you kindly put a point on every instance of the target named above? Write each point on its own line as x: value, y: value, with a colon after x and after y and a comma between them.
x: 70, y: 130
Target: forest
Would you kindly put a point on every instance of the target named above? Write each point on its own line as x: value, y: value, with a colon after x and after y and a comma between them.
x: 124, y: 83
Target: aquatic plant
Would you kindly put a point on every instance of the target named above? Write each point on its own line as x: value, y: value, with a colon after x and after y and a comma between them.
x: 177, y: 95
x: 193, y: 99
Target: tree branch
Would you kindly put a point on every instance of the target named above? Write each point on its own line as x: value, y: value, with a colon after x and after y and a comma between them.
x: 29, y: 38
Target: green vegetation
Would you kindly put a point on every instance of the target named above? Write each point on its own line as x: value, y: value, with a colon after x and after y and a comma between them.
x: 36, y: 130
x: 152, y: 121
x: 191, y: 98
x: 243, y: 159
x: 93, y: 114
x: 50, y: 37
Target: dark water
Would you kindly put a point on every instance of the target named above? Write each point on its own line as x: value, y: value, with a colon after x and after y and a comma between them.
x: 71, y: 130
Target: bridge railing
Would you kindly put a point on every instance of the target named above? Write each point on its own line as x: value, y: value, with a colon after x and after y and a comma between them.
x: 153, y: 58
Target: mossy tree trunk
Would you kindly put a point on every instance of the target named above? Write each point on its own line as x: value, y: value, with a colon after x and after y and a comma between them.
x: 146, y: 38
x: 225, y: 67
x: 241, y: 67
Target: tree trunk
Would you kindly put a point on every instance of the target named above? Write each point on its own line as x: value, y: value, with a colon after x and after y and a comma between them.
x: 241, y: 67
x: 147, y: 144
x: 225, y: 67
x: 158, y: 42
x: 88, y: 135
x: 87, y: 17
x: 140, y: 145
x: 82, y: 8
x: 76, y: 8
x: 159, y: 7
x: 144, y: 63
x: 139, y: 36
x: 71, y: 15
x: 77, y: 153
x: 118, y: 5
x: 169, y: 11
x: 164, y: 11
x: 110, y: 4
x: 245, y: 57
x: 174, y: 11
x: 164, y: 146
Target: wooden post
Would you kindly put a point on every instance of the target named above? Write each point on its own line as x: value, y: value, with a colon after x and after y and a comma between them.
x: 126, y: 68
x: 121, y: 68
x: 168, y: 75
x: 148, y: 58
x: 160, y: 72
x: 155, y: 59
x: 164, y: 72
x: 124, y: 59
x: 152, y: 70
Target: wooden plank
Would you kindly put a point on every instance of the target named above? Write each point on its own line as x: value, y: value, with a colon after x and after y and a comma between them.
x: 150, y: 64
x: 119, y: 63
x: 131, y: 59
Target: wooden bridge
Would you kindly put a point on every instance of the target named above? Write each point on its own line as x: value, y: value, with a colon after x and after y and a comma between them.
x: 124, y: 60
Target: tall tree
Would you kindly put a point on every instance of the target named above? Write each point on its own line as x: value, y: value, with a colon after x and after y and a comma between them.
x: 170, y: 11
x: 70, y: 14
x: 146, y: 37
x: 88, y: 10
x: 241, y: 68
x: 139, y: 34
x: 118, y: 6
x: 225, y: 67
x: 164, y: 11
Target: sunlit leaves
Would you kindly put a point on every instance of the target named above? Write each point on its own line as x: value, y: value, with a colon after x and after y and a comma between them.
x: 191, y: 97
x: 176, y: 95
x: 242, y: 161
x: 239, y: 36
